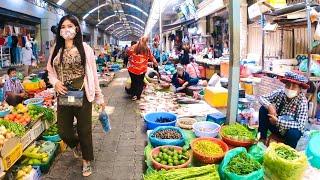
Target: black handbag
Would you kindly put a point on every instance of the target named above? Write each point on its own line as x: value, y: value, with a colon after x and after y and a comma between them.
x: 73, y: 98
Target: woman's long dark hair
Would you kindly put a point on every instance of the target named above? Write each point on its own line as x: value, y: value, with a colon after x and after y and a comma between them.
x: 77, y: 41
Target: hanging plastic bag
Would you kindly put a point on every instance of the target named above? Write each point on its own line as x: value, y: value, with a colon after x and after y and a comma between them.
x: 105, y: 122
x: 317, y: 33
x: 257, y: 151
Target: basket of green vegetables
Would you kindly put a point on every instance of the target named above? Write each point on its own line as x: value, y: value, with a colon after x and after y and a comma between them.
x: 52, y: 134
x: 237, y: 135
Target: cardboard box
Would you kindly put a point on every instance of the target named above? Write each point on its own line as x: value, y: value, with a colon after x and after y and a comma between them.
x: 10, y: 159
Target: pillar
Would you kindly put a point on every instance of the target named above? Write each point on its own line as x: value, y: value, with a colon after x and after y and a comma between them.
x: 243, y: 29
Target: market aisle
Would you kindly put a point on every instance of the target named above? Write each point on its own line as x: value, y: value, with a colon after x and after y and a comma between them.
x: 119, y: 154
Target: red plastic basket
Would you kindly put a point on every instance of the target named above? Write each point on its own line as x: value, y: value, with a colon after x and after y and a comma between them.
x: 209, y: 159
x: 159, y: 166
x: 234, y: 142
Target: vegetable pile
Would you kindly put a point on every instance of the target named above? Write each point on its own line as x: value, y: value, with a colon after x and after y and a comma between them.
x: 164, y: 120
x: 192, y: 173
x: 37, y: 111
x: 167, y: 134
x: 171, y: 156
x: 23, y: 119
x: 23, y: 172
x: 38, y: 154
x: 286, y: 153
x: 242, y: 164
x: 16, y: 128
x: 283, y: 162
x: 207, y: 148
x: 5, y: 135
x: 238, y: 132
x: 53, y: 130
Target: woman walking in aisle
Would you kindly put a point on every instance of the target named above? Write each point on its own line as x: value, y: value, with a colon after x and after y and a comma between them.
x: 72, y: 69
x: 139, y: 55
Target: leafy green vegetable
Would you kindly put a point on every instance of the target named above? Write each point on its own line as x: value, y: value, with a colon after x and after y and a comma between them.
x: 53, y: 130
x: 238, y: 131
x: 192, y: 173
x: 242, y: 164
x: 286, y: 153
x: 17, y: 128
x: 47, y: 113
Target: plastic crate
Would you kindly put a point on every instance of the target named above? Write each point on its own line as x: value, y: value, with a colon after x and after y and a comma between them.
x: 44, y: 167
x: 218, y: 118
x: 37, y: 129
x: 15, y: 154
x: 27, y: 139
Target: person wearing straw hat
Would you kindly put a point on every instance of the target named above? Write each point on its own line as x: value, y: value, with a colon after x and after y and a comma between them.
x: 181, y: 79
x: 285, y: 111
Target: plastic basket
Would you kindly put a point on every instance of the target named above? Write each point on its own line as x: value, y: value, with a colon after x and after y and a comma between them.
x: 205, y: 125
x: 209, y: 159
x: 44, y: 167
x: 4, y: 113
x: 54, y: 138
x: 190, y: 121
x: 234, y: 142
x: 159, y: 166
x: 155, y: 142
x: 151, y: 118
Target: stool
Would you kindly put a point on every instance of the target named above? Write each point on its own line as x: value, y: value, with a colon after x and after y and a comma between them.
x: 274, y: 138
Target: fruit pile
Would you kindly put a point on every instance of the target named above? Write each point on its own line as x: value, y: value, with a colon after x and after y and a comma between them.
x: 5, y: 135
x: 37, y: 154
x: 171, y: 156
x: 53, y: 130
x: 22, y: 119
x: 23, y: 172
x: 167, y: 134
x: 20, y: 108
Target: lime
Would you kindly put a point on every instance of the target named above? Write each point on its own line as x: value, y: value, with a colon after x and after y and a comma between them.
x: 179, y: 152
x: 176, y: 162
x: 164, y: 162
x: 165, y: 157
x: 155, y: 156
x: 175, y: 157
x: 161, y: 149
x: 158, y: 159
x: 170, y: 153
x: 170, y: 164
x: 171, y: 148
x: 170, y: 161
x: 180, y: 157
x: 165, y: 150
x: 184, y: 150
x: 182, y: 161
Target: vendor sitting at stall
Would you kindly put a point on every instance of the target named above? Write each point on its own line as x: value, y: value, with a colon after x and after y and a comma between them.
x: 285, y: 111
x: 13, y: 89
x: 193, y: 70
x: 181, y: 79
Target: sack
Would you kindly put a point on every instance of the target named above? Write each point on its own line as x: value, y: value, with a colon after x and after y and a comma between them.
x: 104, y: 120
x: 72, y: 99
x: 224, y: 174
x: 279, y: 168
x: 257, y: 151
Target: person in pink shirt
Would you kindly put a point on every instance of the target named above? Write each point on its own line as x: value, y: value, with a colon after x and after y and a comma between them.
x: 72, y: 67
x: 193, y: 70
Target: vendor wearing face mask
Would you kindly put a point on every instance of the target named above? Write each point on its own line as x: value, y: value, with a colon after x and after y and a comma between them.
x: 13, y: 89
x: 285, y: 111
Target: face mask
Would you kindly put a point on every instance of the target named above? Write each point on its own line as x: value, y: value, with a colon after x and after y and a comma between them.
x: 290, y: 93
x: 14, y: 78
x: 68, y: 33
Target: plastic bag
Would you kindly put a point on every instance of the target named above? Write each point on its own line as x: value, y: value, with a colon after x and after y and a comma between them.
x: 256, y: 175
x: 257, y: 151
x: 279, y: 168
x: 105, y: 122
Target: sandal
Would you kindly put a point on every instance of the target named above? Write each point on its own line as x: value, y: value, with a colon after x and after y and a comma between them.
x: 77, y: 152
x: 86, y: 169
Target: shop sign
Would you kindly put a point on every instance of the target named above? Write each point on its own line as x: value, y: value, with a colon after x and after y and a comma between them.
x: 209, y: 7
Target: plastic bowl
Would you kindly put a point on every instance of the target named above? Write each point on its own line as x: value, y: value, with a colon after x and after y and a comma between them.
x: 209, y: 159
x: 39, y: 101
x: 54, y: 138
x: 235, y: 142
x: 151, y: 118
x: 213, y: 129
x: 159, y: 166
x: 4, y: 113
x: 185, y: 126
x: 155, y: 142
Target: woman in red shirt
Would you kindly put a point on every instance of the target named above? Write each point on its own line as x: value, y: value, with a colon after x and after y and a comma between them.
x: 139, y: 55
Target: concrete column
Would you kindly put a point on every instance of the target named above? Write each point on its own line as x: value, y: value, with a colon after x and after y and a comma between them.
x: 202, y: 26
x: 243, y: 29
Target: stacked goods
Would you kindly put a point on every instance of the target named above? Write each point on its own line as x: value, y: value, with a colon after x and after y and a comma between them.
x: 283, y: 162
x: 16, y: 128
x: 238, y: 164
x: 5, y: 135
x: 192, y: 173
x: 171, y: 156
